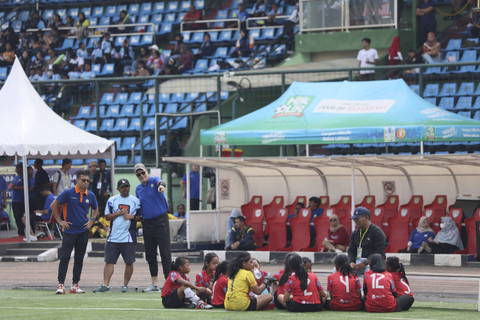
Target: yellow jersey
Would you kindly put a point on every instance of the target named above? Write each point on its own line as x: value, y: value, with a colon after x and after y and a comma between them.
x: 237, y: 297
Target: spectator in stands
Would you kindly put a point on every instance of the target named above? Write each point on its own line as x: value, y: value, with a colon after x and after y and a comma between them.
x: 244, y: 45
x: 23, y: 41
x: 272, y: 14
x: 367, y: 57
x: 54, y: 21
x: 421, y: 234
x: 126, y: 55
x: 61, y: 178
x: 72, y: 28
x: 41, y: 179
x: 431, y: 49
x: 143, y: 55
x: 288, y: 28
x: 25, y: 61
x: 81, y: 26
x: 38, y: 61
x: 36, y: 41
x: 395, y: 52
x: 74, y: 60
x: 8, y: 56
x: 52, y: 39
x: 366, y: 240
x: 426, y: 11
x: 242, y: 15
x: 185, y: 61
x: 106, y: 47
x: 181, y: 214
x: 141, y: 71
x: 63, y: 98
x: 102, y: 187
x: 124, y: 18
x: 194, y: 187
x: 259, y: 10
x: 171, y: 67
x: 412, y: 58
x: 87, y: 72
x: 11, y: 36
x: 447, y: 240
x: 299, y: 206
x: 337, y: 239
x: 97, y: 53
x: 82, y: 51
x: 34, y: 21
x: 206, y: 48
x: 179, y: 47
x: 476, y: 24
x: 241, y: 237
x: 193, y: 15
x: 92, y: 166
x: 155, y: 62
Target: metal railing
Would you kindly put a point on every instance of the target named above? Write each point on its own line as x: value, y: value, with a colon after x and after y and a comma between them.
x: 207, y: 22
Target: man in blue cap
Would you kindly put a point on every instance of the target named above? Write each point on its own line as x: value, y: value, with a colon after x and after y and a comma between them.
x: 366, y: 240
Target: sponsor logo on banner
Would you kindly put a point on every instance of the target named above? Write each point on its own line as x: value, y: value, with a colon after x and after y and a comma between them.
x: 449, y: 132
x: 272, y: 137
x: 293, y: 107
x: 430, y: 133
x: 400, y: 133
x: 389, y: 134
x: 471, y: 132
x: 353, y: 106
x: 221, y: 137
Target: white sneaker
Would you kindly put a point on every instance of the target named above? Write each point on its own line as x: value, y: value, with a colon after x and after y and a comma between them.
x: 32, y: 238
x: 60, y: 289
x: 76, y: 289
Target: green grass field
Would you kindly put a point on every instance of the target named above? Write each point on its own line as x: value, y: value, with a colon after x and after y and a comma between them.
x: 36, y: 304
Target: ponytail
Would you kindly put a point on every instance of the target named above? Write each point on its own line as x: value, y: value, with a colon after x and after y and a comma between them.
x: 295, y: 263
x: 237, y: 264
x: 287, y: 272
x: 342, y: 265
x: 180, y: 261
x: 222, y: 268
x: 395, y: 265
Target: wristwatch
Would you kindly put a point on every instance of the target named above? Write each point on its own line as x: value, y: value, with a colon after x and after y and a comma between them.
x: 93, y: 219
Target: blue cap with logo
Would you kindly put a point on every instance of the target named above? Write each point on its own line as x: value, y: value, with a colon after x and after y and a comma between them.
x: 360, y: 211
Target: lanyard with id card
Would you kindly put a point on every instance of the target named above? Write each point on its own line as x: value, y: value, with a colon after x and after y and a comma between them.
x: 359, y: 249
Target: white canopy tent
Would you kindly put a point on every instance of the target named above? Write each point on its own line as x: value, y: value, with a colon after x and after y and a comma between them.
x: 31, y: 129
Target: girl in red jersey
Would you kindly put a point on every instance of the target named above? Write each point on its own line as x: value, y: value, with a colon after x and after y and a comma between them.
x: 220, y: 285
x: 303, y: 291
x: 282, y: 278
x: 258, y: 273
x: 177, y: 288
x: 344, y: 287
x: 379, y: 289
x: 205, y: 277
x: 395, y: 267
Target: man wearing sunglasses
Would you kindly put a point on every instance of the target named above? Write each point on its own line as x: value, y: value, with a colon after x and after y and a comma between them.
x: 76, y: 223
x: 156, y: 229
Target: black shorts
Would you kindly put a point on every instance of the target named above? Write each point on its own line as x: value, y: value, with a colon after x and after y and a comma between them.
x: 298, y: 307
x: 218, y: 306
x: 113, y: 251
x: 253, y: 304
x: 172, y: 301
x: 276, y: 302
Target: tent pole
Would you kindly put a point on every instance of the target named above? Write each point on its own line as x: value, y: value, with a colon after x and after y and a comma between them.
x: 353, y: 195
x: 187, y: 198
x: 421, y: 148
x: 217, y: 207
x: 307, y: 150
x: 112, y: 170
x: 201, y: 182
x: 25, y: 198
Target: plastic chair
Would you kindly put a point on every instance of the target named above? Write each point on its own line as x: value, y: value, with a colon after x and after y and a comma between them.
x: 300, y: 226
x: 324, y: 202
x: 107, y: 98
x: 447, y: 103
x: 415, y: 209
x: 322, y: 225
x: 45, y: 223
x: 277, y: 238
x: 291, y: 207
x: 271, y: 210
x: 454, y: 44
x: 448, y: 89
x: 398, y: 231
x: 79, y: 124
x: 470, y: 226
x: 466, y: 89
x: 159, y: 7
x: 435, y: 210
x: 464, y: 103
x: 384, y: 212
x: 367, y: 202
x: 343, y: 209
x: 457, y: 215
x: 431, y: 90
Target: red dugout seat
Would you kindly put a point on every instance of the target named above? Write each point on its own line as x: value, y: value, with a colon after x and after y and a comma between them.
x: 324, y: 202
x: 256, y: 222
x: 415, y: 209
x: 277, y: 238
x: 435, y: 211
x: 249, y: 208
x: 367, y: 202
x: 291, y: 207
x: 300, y: 226
x: 322, y: 225
x: 271, y: 210
x: 398, y: 231
x: 457, y: 215
x: 385, y: 211
x: 470, y: 225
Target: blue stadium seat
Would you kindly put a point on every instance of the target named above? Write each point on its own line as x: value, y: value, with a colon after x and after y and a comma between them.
x: 134, y: 9
x: 415, y: 88
x: 180, y: 123
x: 170, y: 17
x: 185, y: 108
x: 166, y: 28
x: 172, y: 6
x: 148, y: 110
x: 62, y: 12
x: 23, y: 16
x: 171, y: 108
x: 118, y: 142
x: 121, y: 125
x: 225, y: 36
x: 179, y: 18
x: 121, y: 7
x: 446, y: 103
x: 87, y: 11
x: 268, y: 34
x: 255, y: 34
x: 156, y: 18
x: 146, y: 8
x: 476, y: 116
x: 73, y: 12
x: 121, y: 160
x: 149, y: 124
x: 159, y: 7
x: 127, y: 144
x: 113, y: 111
x: 135, y: 97
x: 185, y: 5
x: 465, y: 69
x: 199, y: 4
x: 83, y: 112
x: 200, y: 66
x: 118, y: 41
x: 104, y: 21
x: 147, y: 40
x: 201, y: 107
x: 107, y: 125
x: 224, y: 95
x: 466, y: 114
x: 134, y: 125
x: 221, y: 52
x: 67, y: 43
x: 108, y: 69
x: 452, y: 56
x: 431, y: 100
x: 121, y: 98
x: 469, y: 56
x: 431, y: 90
x: 79, y: 124
x: 107, y: 98
x: 454, y: 44
x: 464, y: 103
x: 178, y: 97
x: 197, y: 37
x: 3, y: 73
x: 97, y: 12
x: 192, y: 96
x: 164, y: 97
x: 213, y: 36
x: 91, y: 126
x: 96, y: 68
x: 448, y: 89
x: 127, y: 110
x: 433, y: 70
x: 466, y: 89
x: 111, y: 11
x: 476, y: 105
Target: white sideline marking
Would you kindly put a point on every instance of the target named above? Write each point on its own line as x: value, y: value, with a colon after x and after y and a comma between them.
x: 111, y: 309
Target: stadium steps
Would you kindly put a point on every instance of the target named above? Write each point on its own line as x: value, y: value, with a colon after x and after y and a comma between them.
x: 33, y: 251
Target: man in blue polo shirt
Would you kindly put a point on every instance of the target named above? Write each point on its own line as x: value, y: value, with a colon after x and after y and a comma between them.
x: 194, y: 187
x: 120, y: 211
x: 156, y: 228
x: 76, y: 203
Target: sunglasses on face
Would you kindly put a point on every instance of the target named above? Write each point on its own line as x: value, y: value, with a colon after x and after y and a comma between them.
x: 333, y: 220
x: 85, y: 180
x: 141, y: 174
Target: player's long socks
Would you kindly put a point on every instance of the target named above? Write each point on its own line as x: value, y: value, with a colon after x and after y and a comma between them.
x: 190, y: 295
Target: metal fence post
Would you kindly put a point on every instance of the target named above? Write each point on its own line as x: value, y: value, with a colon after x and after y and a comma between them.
x: 97, y: 105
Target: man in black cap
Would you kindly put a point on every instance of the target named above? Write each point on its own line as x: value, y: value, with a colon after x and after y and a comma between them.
x: 120, y: 210
x: 365, y: 241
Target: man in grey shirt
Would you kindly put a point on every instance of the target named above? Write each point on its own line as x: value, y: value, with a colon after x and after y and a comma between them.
x: 61, y: 179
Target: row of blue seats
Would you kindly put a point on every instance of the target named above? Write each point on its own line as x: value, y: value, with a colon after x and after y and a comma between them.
x: 456, y: 44
x: 268, y: 33
x: 448, y: 103
x: 448, y: 89
x: 233, y: 12
x: 125, y: 144
x: 119, y: 160
x: 130, y: 111
x: 124, y: 125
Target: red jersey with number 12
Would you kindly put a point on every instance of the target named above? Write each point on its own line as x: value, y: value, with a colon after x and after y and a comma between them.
x: 171, y: 283
x: 308, y: 296
x: 401, y: 285
x: 343, y: 290
x: 219, y: 290
x: 380, y: 288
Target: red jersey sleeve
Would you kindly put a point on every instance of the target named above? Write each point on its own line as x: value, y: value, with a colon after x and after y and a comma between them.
x: 199, y: 280
x: 288, y: 286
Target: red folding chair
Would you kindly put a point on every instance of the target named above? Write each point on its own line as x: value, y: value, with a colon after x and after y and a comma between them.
x: 435, y: 211
x: 470, y: 226
x: 256, y: 222
x: 277, y: 238
x: 249, y: 208
x: 300, y: 226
